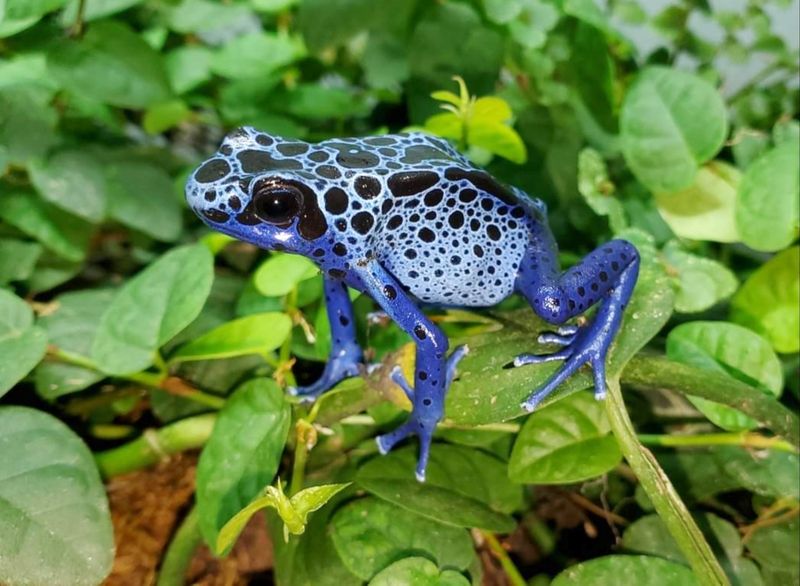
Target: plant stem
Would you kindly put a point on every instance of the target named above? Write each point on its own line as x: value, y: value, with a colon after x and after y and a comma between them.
x: 77, y: 28
x: 180, y: 552
x: 154, y: 445
x: 305, y: 439
x: 662, y: 494
x: 514, y: 577
x: 651, y: 372
x: 744, y: 439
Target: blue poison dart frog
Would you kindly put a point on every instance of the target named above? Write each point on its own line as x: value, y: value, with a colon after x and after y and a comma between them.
x: 408, y: 220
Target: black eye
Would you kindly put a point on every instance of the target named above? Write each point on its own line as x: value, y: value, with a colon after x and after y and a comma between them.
x: 276, y: 203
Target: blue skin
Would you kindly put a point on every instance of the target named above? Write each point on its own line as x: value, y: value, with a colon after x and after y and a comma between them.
x: 406, y: 219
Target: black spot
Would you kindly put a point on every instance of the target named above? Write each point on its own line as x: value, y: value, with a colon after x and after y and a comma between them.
x: 422, y: 153
x: 340, y: 224
x: 614, y: 265
x: 603, y: 276
x: 412, y: 182
x: 594, y: 287
x: 581, y: 291
x: 434, y: 197
x: 467, y: 195
x: 259, y: 161
x: 319, y: 156
x: 367, y: 187
x: 387, y: 206
x: 336, y: 200
x: 292, y: 149
x: 387, y: 152
x: 343, y: 320
x: 426, y: 235
x: 226, y: 150
x: 336, y: 273
x: 477, y: 250
x: 339, y: 249
x: 487, y: 204
x: 455, y: 259
x: 318, y: 252
x: 212, y: 170
x: 456, y: 219
x: 410, y: 254
x: 493, y: 232
x: 264, y: 139
x: 352, y: 157
x: 362, y: 222
x: 419, y: 332
x: 216, y: 215
x: 380, y: 140
x: 210, y: 195
x: 431, y: 215
x: 483, y: 181
x: 389, y: 291
x: 517, y: 213
x: 571, y: 304
x: 474, y: 225
x: 422, y: 375
x: 328, y: 171
x: 235, y: 203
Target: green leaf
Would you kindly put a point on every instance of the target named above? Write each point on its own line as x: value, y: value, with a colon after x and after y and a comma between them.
x: 164, y: 115
x: 27, y: 122
x: 731, y: 349
x: 111, y: 64
x: 663, y: 137
x: 502, y: 11
x: 54, y: 514
x: 436, y: 503
x: 706, y: 209
x: 22, y: 9
x: 281, y: 273
x: 207, y: 16
x: 606, y: 571
x: 242, y: 455
x: 461, y: 469
x: 769, y: 301
x: 94, y: 9
x: 497, y: 138
x: 649, y: 535
x: 255, y: 334
x: 188, y: 67
x: 768, y: 202
x: 17, y: 259
x: 319, y: 102
x: 418, y: 571
x: 62, y: 233
x: 567, y: 442
x: 776, y: 548
x: 293, y: 512
x: 73, y: 181
x: 369, y: 534
x: 71, y: 327
x: 255, y: 55
x: 385, y: 62
x: 703, y: 282
x: 597, y: 189
x: 151, y: 308
x: 142, y: 196
x: 22, y: 345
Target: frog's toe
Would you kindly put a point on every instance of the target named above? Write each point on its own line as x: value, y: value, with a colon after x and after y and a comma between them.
x: 389, y: 440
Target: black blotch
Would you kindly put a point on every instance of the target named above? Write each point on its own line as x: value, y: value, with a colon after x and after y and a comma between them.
x: 340, y: 224
x: 318, y: 252
x: 426, y: 402
x: 517, y: 213
x: 387, y: 206
x: 212, y: 170
x: 336, y: 200
x: 292, y: 149
x: 603, y: 276
x: 264, y: 139
x: 367, y: 187
x: 426, y: 235
x: 493, y: 232
x: 467, y: 195
x: 483, y: 181
x: 380, y: 140
x: 235, y: 203
x: 410, y: 254
x: 456, y: 219
x: 339, y: 249
x: 456, y: 260
x: 362, y: 222
x: 419, y: 332
x: 226, y: 150
x: 411, y: 182
x: 216, y: 215
x: 423, y: 376
x: 431, y: 215
x: 259, y: 161
x: 210, y: 195
x: 389, y: 291
x: 474, y: 225
x: 352, y: 157
x: 343, y: 320
x: 422, y: 153
x: 477, y: 250
x: 336, y: 273
x: 387, y: 152
x: 319, y: 156
x: 614, y: 265
x: 581, y: 291
x: 434, y: 197
x: 328, y: 171
x: 394, y: 222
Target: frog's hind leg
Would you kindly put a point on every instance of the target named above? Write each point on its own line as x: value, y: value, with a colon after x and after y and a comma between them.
x: 606, y: 275
x: 346, y: 356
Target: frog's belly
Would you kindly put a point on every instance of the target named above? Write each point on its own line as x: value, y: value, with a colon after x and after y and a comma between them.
x: 473, y: 270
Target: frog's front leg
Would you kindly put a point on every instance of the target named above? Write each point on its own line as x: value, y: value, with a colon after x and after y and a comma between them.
x: 607, y: 275
x: 434, y: 371
x: 346, y: 355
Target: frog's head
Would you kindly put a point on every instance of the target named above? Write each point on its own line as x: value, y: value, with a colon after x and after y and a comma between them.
x: 255, y: 188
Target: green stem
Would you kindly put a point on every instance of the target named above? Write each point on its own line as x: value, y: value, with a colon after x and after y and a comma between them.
x: 298, y: 468
x: 514, y: 577
x: 180, y: 552
x: 662, y: 494
x: 77, y: 28
x: 650, y: 372
x: 743, y: 439
x: 155, y: 445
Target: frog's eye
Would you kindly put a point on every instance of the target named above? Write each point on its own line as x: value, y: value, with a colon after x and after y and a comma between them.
x: 276, y: 202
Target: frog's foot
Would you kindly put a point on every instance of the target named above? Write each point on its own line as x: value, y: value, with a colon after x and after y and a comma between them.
x: 344, y: 364
x: 426, y: 413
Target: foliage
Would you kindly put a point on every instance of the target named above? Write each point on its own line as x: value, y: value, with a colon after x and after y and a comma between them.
x: 146, y: 335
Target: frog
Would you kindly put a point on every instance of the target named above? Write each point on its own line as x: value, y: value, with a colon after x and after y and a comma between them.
x: 409, y: 221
